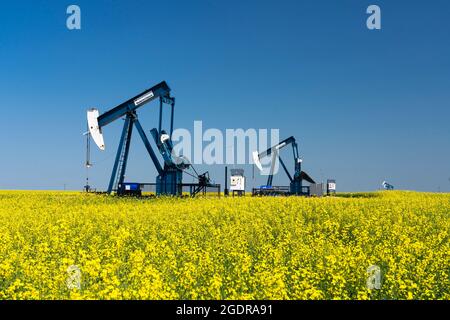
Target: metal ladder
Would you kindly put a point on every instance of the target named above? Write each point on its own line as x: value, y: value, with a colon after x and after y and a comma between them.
x: 122, y: 155
x: 121, y: 160
x: 120, y: 167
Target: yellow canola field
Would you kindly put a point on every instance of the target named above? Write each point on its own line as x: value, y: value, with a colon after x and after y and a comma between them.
x: 227, y: 248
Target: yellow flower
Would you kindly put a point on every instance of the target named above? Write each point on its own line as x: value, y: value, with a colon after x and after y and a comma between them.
x: 227, y: 248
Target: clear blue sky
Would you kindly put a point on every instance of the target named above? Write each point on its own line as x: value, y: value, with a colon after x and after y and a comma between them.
x: 365, y: 105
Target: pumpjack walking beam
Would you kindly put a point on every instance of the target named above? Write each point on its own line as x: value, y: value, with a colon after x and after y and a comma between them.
x: 161, y: 91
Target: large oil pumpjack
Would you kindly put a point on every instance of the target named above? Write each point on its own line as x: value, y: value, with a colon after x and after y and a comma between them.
x: 170, y: 175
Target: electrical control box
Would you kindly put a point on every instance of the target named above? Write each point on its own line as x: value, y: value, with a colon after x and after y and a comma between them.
x: 237, y: 183
x: 237, y: 180
x: 331, y: 186
x: 129, y: 189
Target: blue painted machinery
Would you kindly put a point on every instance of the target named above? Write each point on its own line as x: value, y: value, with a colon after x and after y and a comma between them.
x: 387, y: 186
x: 170, y: 175
x: 296, y: 181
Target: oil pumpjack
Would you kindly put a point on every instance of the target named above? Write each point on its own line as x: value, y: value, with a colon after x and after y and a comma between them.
x: 170, y: 174
x: 296, y: 181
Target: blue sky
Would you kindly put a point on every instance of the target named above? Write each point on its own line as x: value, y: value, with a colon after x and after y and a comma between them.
x: 365, y: 105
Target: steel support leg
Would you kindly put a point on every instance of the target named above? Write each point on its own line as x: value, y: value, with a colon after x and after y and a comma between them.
x: 171, y: 118
x: 127, y: 151
x: 148, y: 146
x: 160, y: 115
x: 272, y: 168
x: 119, y: 153
x: 285, y: 169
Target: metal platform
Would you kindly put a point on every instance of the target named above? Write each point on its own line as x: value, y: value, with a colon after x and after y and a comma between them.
x: 279, y: 191
x: 191, y: 189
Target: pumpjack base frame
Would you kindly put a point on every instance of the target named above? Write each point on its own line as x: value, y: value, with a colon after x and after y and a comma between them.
x: 170, y: 182
x: 281, y: 191
x: 149, y: 189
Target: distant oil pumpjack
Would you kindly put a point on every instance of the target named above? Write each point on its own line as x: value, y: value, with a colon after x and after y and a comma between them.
x: 296, y: 181
x: 387, y: 186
